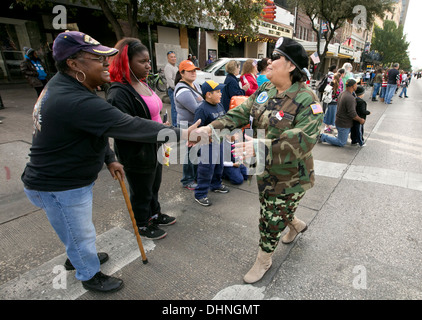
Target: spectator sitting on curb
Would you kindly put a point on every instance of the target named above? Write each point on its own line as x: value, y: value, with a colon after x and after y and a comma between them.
x: 235, y: 172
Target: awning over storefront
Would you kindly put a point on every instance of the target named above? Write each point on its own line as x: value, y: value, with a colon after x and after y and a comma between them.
x: 311, y: 47
x: 344, y: 56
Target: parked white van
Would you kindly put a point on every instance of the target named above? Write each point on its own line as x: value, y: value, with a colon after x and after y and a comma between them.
x: 216, y: 71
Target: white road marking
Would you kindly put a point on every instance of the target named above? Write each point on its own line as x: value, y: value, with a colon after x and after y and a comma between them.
x: 240, y: 292
x: 329, y: 169
x: 378, y: 124
x: 390, y: 177
x: 40, y: 283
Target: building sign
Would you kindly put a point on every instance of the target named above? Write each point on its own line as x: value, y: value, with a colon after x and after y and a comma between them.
x: 345, y: 50
x: 274, y: 30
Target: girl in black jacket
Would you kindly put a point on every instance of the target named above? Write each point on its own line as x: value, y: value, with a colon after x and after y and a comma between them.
x: 142, y: 168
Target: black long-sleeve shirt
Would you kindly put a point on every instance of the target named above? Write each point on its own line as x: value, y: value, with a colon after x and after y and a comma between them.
x: 70, y: 139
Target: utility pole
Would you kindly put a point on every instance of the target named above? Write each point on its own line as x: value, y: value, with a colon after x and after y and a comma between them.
x: 199, y: 45
x: 150, y: 48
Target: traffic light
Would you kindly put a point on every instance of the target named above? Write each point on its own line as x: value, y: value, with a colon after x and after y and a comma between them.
x: 268, y: 12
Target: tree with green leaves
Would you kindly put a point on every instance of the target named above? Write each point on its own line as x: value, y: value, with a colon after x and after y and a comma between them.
x: 336, y: 14
x: 212, y: 14
x: 390, y: 42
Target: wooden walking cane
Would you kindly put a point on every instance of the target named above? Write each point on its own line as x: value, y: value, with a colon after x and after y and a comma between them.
x: 132, y: 217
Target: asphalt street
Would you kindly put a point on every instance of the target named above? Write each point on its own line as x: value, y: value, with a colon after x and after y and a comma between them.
x: 364, y: 240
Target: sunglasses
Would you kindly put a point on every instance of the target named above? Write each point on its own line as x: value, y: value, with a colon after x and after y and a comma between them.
x: 276, y: 56
x: 170, y: 52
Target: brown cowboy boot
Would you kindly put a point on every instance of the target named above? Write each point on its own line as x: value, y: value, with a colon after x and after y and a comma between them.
x: 262, y: 264
x: 296, y: 226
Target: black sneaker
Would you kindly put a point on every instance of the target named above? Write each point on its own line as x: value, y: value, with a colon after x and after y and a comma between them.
x: 203, y: 202
x: 152, y: 232
x: 102, y: 256
x: 103, y: 283
x: 222, y: 189
x: 164, y: 220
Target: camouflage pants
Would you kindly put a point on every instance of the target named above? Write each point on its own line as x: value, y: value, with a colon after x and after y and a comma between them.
x: 275, y: 213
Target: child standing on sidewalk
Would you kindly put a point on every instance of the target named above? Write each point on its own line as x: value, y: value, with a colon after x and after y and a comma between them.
x: 210, y: 167
x: 357, y: 130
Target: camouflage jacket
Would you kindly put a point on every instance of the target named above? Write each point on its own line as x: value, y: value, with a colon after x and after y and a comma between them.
x: 291, y: 121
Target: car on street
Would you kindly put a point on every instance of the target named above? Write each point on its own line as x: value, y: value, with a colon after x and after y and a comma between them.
x: 359, y: 77
x: 216, y: 71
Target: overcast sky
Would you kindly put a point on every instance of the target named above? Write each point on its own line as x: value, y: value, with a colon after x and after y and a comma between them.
x: 413, y: 29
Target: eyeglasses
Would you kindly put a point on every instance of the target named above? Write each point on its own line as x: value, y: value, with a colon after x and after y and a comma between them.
x: 100, y: 59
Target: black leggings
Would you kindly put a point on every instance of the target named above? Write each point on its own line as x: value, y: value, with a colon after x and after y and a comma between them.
x: 143, y: 189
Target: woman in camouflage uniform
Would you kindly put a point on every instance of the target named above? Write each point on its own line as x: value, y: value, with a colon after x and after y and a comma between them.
x: 291, y: 116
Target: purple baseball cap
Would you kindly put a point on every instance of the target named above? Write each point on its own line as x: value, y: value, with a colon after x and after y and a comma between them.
x: 69, y: 42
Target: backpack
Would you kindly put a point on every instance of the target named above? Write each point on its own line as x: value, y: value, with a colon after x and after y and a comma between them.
x: 327, y: 96
x: 236, y: 101
x: 322, y: 84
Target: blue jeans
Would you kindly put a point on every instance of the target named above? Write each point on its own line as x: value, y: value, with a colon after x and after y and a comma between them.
x: 210, y: 170
x: 376, y: 89
x: 235, y: 175
x: 189, y: 170
x: 340, y: 140
x: 391, y: 89
x: 404, y: 90
x: 70, y: 214
x: 382, y: 94
x: 170, y: 93
x: 330, y: 114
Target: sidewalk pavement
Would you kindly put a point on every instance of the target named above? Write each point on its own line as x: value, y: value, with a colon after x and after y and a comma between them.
x: 363, y: 241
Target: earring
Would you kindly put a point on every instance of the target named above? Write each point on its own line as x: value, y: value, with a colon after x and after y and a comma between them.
x: 80, y: 71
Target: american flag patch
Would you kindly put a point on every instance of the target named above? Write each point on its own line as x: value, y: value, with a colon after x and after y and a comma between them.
x: 316, y: 108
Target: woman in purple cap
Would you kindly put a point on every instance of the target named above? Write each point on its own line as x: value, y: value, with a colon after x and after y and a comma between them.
x: 70, y: 146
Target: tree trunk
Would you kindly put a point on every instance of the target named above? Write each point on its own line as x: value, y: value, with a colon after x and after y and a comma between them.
x: 132, y: 15
x: 111, y: 18
x: 324, y: 53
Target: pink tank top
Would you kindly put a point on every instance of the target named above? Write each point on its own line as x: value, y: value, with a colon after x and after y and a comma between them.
x: 155, y: 105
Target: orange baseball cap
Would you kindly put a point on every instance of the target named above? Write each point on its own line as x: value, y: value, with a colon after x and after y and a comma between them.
x: 187, y: 65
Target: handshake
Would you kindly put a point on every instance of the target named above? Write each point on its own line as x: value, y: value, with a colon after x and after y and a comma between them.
x: 203, y: 135
x: 195, y: 135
